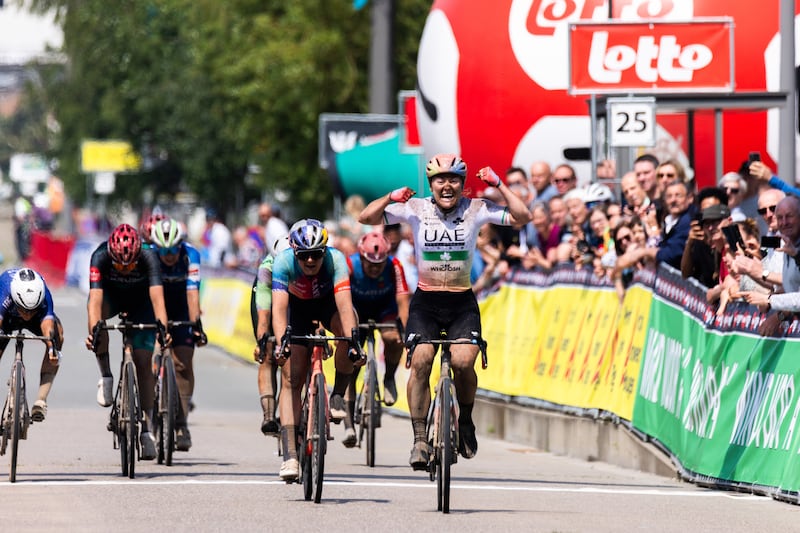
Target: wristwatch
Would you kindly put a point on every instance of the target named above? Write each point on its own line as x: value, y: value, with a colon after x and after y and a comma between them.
x: 765, y: 274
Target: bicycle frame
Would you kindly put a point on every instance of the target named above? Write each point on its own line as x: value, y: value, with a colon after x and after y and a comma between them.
x: 126, y: 413
x: 312, y: 448
x: 15, y: 418
x: 442, y: 425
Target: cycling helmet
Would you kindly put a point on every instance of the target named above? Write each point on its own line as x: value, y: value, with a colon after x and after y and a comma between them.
x: 597, y: 192
x: 373, y: 247
x: 27, y: 289
x: 166, y: 233
x: 124, y: 244
x: 446, y: 164
x: 146, y: 229
x: 281, y: 245
x: 311, y: 235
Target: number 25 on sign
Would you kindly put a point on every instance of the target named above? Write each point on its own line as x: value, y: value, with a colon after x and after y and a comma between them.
x: 631, y: 121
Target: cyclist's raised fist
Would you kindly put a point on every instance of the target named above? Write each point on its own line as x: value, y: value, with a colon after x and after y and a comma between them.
x: 402, y: 195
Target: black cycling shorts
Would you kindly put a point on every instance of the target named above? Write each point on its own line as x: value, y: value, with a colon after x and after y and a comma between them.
x: 302, y: 314
x: 455, y: 312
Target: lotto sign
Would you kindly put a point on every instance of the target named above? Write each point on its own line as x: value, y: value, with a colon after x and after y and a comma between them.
x: 651, y: 56
x: 631, y: 121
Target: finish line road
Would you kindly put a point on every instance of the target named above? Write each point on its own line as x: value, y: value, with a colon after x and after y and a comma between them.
x: 68, y: 474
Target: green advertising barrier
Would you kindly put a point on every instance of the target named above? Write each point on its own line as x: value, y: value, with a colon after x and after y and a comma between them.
x: 721, y: 398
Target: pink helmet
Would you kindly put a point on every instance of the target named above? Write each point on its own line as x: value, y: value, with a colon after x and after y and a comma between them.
x: 373, y: 247
x: 124, y: 244
x: 446, y: 164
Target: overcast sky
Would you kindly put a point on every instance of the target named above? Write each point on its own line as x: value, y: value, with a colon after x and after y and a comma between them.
x: 23, y: 36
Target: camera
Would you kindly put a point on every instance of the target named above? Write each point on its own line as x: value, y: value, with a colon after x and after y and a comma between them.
x: 753, y: 156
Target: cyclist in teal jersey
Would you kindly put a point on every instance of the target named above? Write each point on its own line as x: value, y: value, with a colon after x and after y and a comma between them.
x: 445, y: 227
x: 310, y: 283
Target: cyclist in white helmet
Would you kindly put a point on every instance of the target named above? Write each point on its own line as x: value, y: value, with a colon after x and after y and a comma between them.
x: 26, y: 302
x: 445, y: 227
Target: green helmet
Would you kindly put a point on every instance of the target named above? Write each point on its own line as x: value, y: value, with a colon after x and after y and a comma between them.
x: 166, y: 233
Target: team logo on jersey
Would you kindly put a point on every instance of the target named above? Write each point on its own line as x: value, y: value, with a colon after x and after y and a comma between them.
x: 94, y: 275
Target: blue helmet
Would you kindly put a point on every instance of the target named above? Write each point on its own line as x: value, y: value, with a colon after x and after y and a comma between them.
x: 308, y: 234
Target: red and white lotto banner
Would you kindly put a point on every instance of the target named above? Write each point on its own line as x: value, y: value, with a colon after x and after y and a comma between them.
x: 694, y: 56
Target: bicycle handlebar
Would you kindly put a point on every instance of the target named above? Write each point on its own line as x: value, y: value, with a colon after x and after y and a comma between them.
x: 26, y: 337
x: 475, y: 339
x: 125, y: 326
x: 320, y: 338
x: 262, y: 346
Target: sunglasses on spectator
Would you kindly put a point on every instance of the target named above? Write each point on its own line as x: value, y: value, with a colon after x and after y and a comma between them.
x: 119, y: 267
x: 732, y: 190
x: 666, y: 175
x: 563, y: 180
x: 624, y: 238
x: 305, y: 255
x: 172, y: 250
x: 763, y: 210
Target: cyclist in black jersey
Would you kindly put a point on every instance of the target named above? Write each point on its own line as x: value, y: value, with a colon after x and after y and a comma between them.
x: 124, y: 277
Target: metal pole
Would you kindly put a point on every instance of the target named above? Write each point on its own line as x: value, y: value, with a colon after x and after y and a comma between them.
x: 593, y: 113
x: 381, y: 79
x: 788, y: 132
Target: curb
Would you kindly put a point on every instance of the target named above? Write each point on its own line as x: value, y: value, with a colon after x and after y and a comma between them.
x: 561, y: 434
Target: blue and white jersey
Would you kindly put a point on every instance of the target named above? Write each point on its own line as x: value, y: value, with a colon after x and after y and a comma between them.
x: 8, y: 309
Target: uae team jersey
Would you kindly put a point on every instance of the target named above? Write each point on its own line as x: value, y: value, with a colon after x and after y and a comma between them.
x: 444, y: 243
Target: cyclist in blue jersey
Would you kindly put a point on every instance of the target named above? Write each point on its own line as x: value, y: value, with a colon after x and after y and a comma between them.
x: 180, y: 276
x: 26, y: 302
x: 445, y: 228
x: 261, y: 314
x: 380, y: 293
x: 310, y: 282
x: 124, y: 277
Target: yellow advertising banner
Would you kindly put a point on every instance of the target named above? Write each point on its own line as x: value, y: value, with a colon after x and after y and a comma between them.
x: 109, y: 156
x: 569, y: 345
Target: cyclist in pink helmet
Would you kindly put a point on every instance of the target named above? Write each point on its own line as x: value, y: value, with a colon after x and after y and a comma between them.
x: 445, y: 227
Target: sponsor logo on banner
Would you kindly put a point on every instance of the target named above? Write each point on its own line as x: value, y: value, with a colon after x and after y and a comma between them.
x: 651, y: 56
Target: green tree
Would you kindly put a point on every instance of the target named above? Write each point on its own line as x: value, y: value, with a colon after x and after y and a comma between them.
x: 208, y: 88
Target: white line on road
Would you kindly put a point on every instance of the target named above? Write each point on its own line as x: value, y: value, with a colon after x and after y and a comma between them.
x: 584, y: 490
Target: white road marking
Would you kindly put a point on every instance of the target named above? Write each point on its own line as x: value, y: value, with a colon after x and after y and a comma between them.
x: 582, y: 490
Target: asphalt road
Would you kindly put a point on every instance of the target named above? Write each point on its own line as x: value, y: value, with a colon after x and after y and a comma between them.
x: 69, y: 479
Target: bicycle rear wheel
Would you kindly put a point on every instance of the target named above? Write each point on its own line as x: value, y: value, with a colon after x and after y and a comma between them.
x: 319, y: 441
x: 303, y: 451
x: 16, y: 424
x: 445, y: 448
x: 130, y: 418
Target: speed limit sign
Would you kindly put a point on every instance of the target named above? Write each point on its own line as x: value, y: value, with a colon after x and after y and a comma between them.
x: 631, y: 121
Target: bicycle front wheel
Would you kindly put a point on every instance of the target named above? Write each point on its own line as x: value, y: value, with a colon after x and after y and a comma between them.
x: 445, y: 449
x: 130, y: 418
x: 319, y: 440
x: 16, y: 424
x: 168, y: 408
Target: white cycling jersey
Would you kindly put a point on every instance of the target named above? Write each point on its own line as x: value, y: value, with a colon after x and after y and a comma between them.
x: 445, y: 243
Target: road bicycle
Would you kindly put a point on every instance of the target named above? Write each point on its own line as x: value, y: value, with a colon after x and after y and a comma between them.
x: 168, y: 409
x: 442, y: 427
x: 16, y: 417
x: 368, y: 404
x: 126, y: 412
x: 313, y: 429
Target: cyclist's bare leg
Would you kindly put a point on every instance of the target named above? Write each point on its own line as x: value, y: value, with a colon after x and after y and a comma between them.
x: 466, y: 381
x: 344, y: 369
x: 184, y: 375
x: 46, y: 376
x: 267, y: 385
x: 103, y: 360
x: 293, y: 378
x: 392, y: 352
x: 418, y: 392
x: 143, y: 359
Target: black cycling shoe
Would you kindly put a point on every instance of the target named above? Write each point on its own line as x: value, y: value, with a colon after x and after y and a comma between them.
x: 270, y: 427
x: 420, y: 456
x: 467, y: 442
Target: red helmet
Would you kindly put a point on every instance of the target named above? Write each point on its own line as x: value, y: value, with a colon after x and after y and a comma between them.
x: 124, y: 244
x: 146, y: 228
x: 373, y: 247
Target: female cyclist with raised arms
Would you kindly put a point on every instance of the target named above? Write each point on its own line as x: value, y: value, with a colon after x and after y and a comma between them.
x: 310, y: 283
x: 445, y: 227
